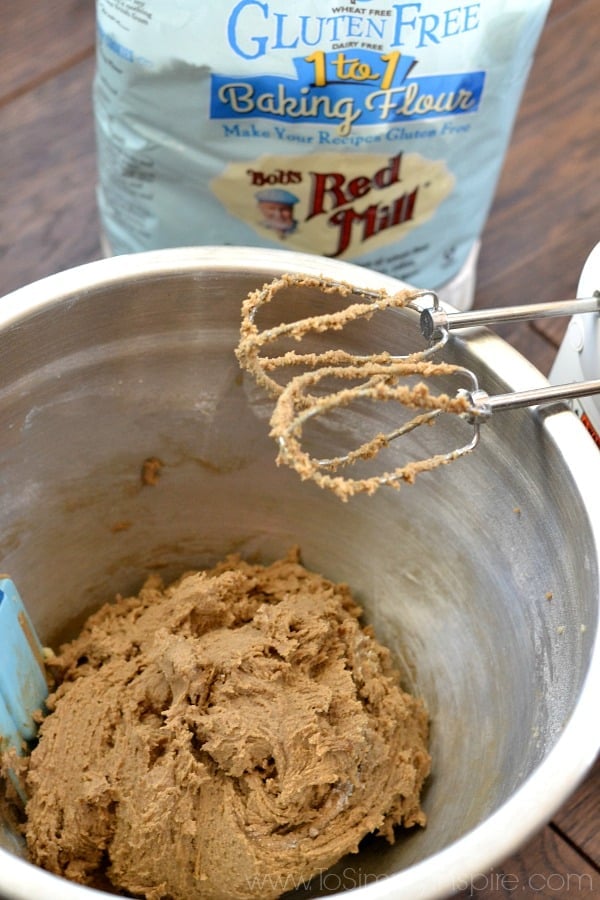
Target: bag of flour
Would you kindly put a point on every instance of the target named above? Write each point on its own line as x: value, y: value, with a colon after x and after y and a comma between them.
x: 371, y: 131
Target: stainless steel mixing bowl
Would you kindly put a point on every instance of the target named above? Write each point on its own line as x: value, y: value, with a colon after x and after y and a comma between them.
x: 108, y: 364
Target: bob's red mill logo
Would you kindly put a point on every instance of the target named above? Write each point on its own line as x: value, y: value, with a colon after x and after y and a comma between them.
x: 350, y: 204
x: 333, y: 195
x: 335, y: 204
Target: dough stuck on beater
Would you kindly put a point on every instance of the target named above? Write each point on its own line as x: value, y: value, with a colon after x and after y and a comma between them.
x: 379, y: 377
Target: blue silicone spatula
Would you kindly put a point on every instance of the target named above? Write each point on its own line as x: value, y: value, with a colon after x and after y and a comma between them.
x: 23, y: 686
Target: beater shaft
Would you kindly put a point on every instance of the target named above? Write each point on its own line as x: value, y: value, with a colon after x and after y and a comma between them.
x: 483, y: 404
x: 436, y: 321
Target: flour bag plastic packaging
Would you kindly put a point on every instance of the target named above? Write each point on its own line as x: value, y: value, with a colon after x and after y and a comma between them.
x: 371, y: 131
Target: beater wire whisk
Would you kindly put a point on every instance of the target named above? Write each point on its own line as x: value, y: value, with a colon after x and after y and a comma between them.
x: 381, y: 377
x: 364, y: 303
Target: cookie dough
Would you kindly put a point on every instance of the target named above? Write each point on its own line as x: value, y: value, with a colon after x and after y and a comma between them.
x: 228, y: 736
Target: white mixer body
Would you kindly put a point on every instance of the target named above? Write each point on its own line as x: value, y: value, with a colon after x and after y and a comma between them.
x: 578, y: 358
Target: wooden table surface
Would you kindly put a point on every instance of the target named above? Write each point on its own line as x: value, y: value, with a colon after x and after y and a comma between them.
x: 544, y: 221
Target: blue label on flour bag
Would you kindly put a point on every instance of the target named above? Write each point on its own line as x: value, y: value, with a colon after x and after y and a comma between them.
x: 351, y: 91
x: 369, y: 131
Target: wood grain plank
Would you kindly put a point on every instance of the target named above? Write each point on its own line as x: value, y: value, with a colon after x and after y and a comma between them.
x: 547, y: 867
x: 544, y: 220
x: 49, y: 219
x: 38, y: 40
x: 560, y: 8
x: 578, y: 818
